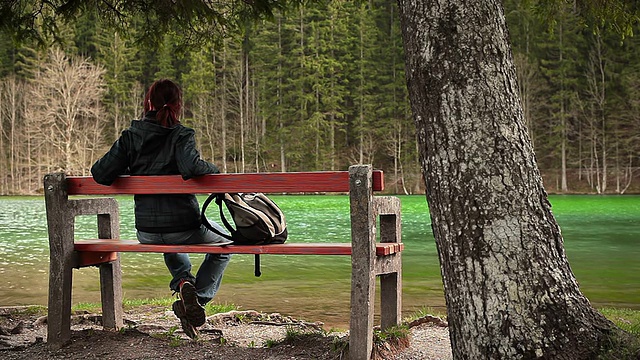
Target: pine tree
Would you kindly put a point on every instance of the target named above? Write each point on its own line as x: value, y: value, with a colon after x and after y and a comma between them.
x: 559, y: 66
x: 85, y: 35
x: 168, y: 61
x: 198, y: 86
x: 395, y: 130
x: 123, y: 97
x: 628, y: 125
x: 270, y: 76
x: 8, y: 53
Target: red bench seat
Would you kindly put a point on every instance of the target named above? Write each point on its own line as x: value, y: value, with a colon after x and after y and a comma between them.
x: 97, y: 251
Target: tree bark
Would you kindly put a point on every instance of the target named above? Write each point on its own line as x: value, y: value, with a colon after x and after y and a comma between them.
x: 509, y: 289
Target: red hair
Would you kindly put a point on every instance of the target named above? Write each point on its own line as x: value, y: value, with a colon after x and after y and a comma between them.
x: 165, y: 97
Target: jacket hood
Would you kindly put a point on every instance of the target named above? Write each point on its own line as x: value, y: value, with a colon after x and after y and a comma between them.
x: 149, y: 124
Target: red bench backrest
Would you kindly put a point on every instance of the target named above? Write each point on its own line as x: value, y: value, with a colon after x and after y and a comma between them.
x: 294, y: 182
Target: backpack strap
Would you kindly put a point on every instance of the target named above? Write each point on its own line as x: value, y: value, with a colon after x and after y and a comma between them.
x: 205, y: 222
x: 219, y: 197
x: 256, y: 268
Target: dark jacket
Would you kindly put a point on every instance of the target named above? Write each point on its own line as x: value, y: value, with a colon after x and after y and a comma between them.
x: 147, y: 148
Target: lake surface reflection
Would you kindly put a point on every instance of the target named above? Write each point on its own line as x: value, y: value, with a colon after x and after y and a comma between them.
x: 602, y: 240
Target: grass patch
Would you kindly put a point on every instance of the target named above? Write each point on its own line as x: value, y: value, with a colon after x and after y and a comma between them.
x: 340, y: 345
x: 313, y: 340
x: 134, y: 303
x: 130, y: 304
x: 88, y: 307
x: 292, y: 334
x: 269, y: 343
x: 170, y: 336
x: 387, y: 342
x: 623, y: 344
x: 425, y: 311
x: 32, y: 310
x: 626, y: 319
x: 211, y: 309
x: 394, y: 334
x: 620, y: 345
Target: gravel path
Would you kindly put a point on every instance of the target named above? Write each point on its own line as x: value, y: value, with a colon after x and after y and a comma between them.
x: 428, y: 342
x: 429, y: 336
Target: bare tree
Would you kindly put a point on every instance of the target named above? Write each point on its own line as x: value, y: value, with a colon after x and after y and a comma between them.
x: 64, y: 111
x: 597, y: 97
x: 13, y: 139
x: 3, y: 156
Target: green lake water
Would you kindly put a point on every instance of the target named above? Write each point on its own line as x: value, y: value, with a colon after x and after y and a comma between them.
x: 602, y: 241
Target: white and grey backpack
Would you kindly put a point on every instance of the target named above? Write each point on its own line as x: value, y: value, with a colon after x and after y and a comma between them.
x: 258, y: 220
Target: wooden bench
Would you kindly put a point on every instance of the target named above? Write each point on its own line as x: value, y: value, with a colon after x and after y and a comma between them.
x: 368, y: 258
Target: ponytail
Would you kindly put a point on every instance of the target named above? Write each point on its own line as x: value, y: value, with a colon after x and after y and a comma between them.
x: 165, y: 97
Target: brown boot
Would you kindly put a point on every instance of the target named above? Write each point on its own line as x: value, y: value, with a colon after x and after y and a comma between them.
x: 181, y: 313
x: 195, y: 312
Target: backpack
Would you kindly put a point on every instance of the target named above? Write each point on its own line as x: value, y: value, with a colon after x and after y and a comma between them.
x: 258, y: 220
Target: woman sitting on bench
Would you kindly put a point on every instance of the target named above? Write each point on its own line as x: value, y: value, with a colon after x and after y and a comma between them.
x: 159, y: 145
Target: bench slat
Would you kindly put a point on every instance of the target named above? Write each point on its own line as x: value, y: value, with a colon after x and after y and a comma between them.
x: 94, y: 250
x: 318, y: 181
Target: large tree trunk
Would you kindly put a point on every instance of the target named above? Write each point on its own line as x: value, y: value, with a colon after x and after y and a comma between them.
x: 509, y: 289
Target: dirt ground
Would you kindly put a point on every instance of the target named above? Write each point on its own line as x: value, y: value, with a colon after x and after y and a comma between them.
x: 154, y: 333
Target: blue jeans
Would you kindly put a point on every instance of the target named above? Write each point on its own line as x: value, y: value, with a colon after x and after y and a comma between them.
x: 207, y: 280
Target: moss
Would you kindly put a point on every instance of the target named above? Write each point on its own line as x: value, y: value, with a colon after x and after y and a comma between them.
x: 620, y: 345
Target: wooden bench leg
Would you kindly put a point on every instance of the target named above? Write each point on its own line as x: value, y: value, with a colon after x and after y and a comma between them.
x: 111, y: 295
x: 110, y: 273
x: 61, y: 261
x: 362, y: 310
x: 363, y: 254
x: 59, y: 304
x: 391, y: 281
x: 61, y: 213
x: 390, y: 300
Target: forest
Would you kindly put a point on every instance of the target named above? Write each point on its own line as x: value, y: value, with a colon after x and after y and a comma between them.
x: 319, y: 87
